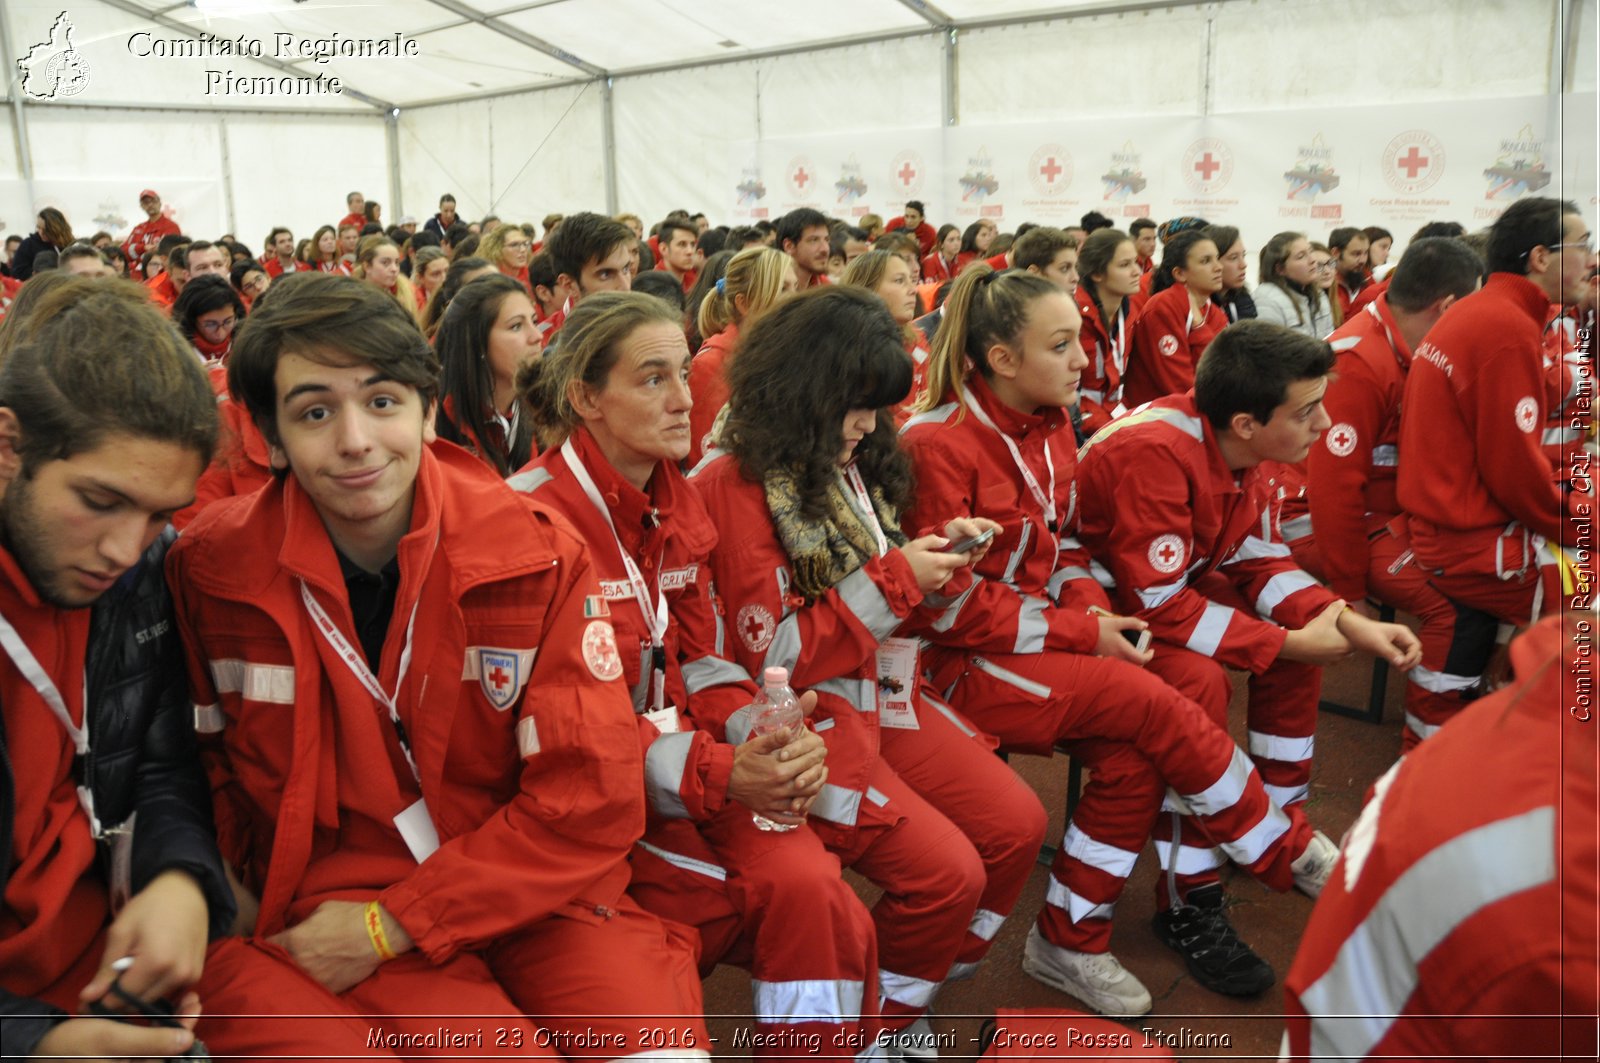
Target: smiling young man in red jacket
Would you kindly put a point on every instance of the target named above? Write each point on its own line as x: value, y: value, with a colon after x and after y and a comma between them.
x: 1177, y: 524
x: 1482, y: 508
x: 1342, y: 527
x: 423, y: 764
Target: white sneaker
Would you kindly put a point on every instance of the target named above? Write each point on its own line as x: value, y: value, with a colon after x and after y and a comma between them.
x: 1313, y: 867
x: 916, y: 1041
x: 1096, y: 978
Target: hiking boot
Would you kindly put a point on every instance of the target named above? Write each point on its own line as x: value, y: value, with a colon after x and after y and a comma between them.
x: 1096, y: 978
x: 1200, y: 932
x: 1314, y: 866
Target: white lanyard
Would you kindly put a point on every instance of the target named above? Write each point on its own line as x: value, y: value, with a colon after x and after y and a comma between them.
x: 864, y: 500
x: 358, y: 666
x: 34, y: 673
x: 655, y: 615
x: 1047, y: 502
x: 1119, y: 349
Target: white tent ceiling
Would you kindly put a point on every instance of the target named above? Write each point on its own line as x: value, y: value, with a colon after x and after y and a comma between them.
x: 467, y: 48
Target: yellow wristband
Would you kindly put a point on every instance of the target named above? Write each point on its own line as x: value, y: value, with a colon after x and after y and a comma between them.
x: 380, y: 940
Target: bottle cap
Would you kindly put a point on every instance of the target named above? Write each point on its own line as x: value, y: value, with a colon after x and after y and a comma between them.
x: 776, y: 677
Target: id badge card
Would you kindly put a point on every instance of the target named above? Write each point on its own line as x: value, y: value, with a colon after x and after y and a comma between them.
x: 897, y: 684
x: 665, y: 719
x: 417, y: 829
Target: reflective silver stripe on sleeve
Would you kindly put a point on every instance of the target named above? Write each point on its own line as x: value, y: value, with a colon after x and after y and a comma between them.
x: 786, y: 1003
x: 837, y: 805
x: 866, y: 601
x: 1102, y: 575
x: 1155, y: 597
x: 737, y: 726
x: 1015, y: 560
x: 785, y: 648
x: 952, y: 612
x: 272, y: 683
x: 1280, y: 587
x: 664, y: 764
x: 1561, y: 435
x: 1386, y: 456
x: 1296, y: 529
x: 208, y: 719
x: 529, y: 481
x: 706, y: 672
x: 1254, y: 547
x: 862, y: 694
x: 1062, y: 577
x: 687, y: 863
x: 1355, y: 1002
x: 1098, y: 397
x: 1209, y: 631
x: 934, y: 416
x: 951, y: 715
x: 641, y: 689
x: 1032, y: 627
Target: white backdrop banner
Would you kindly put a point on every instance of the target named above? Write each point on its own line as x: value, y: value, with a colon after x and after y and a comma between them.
x: 1309, y: 170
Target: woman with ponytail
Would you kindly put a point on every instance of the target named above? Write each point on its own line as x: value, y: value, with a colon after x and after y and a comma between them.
x: 756, y: 279
x: 611, y: 403
x: 818, y: 577
x: 1179, y: 321
x: 1108, y: 270
x: 889, y: 277
x: 1026, y: 646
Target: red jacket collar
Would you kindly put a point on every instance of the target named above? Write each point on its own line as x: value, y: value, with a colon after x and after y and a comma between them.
x: 1230, y: 480
x: 1521, y: 291
x: 1380, y: 309
x: 1013, y: 423
x: 14, y: 581
x: 668, y: 496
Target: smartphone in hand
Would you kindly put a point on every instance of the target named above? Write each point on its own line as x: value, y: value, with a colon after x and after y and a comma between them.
x: 981, y: 539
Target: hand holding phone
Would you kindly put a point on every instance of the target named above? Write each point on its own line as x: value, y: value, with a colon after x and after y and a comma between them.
x: 971, y: 543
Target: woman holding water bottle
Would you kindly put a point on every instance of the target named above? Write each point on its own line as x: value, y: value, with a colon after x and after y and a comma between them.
x: 611, y: 406
x: 816, y: 576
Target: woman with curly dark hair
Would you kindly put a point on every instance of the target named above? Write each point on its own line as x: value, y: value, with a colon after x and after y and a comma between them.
x: 818, y: 578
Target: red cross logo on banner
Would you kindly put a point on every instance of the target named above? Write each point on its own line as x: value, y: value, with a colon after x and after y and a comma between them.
x: 1207, y: 167
x: 1413, y: 162
x: 1051, y: 169
x: 801, y: 177
x: 906, y: 173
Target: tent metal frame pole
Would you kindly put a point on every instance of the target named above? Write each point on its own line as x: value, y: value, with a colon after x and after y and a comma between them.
x: 951, y: 76
x: 608, y: 135
x: 1208, y: 67
x: 1567, y: 42
x: 19, y: 117
x: 227, y: 175
x: 391, y: 136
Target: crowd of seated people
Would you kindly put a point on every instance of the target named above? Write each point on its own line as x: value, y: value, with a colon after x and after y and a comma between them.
x: 387, y: 618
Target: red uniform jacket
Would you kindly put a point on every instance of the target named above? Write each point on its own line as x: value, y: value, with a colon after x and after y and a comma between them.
x: 1569, y: 410
x: 1347, y: 296
x: 669, y: 535
x: 937, y: 269
x: 242, y: 464
x: 274, y: 266
x: 1000, y: 261
x: 161, y: 290
x: 829, y: 645
x: 1100, y: 387
x: 146, y: 236
x: 1369, y: 294
x: 358, y: 220
x: 708, y: 385
x: 1460, y: 919
x: 525, y: 742
x: 924, y: 233
x: 1159, y: 509
x: 1474, y: 410
x: 1007, y: 603
x: 1351, y: 470
x: 55, y: 902
x: 1163, y: 349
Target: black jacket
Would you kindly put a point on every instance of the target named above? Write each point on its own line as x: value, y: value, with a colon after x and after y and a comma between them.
x: 22, y: 257
x: 142, y: 759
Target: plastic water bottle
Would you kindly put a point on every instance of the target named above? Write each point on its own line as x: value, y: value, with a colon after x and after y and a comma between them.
x: 775, y: 709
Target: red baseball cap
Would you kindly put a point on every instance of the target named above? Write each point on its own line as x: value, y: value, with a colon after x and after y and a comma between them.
x: 148, y: 193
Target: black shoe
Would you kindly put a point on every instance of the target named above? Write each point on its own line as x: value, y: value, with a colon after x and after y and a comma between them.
x: 1201, y: 933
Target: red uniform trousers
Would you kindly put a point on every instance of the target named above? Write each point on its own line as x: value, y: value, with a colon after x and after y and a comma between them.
x: 1456, y: 639
x: 1282, y: 721
x: 724, y: 878
x: 1139, y: 737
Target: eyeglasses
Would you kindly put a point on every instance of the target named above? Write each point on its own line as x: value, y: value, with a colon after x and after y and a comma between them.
x: 1586, y: 245
x: 214, y: 327
x: 1322, y: 267
x: 518, y: 245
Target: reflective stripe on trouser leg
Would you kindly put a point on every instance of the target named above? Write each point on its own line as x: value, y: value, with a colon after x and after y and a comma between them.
x: 1282, y: 719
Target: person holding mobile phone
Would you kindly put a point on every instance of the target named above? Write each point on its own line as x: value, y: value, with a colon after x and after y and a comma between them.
x: 1024, y: 643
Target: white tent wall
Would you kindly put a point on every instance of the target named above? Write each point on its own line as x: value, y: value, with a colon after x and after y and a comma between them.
x: 296, y: 172
x: 521, y: 156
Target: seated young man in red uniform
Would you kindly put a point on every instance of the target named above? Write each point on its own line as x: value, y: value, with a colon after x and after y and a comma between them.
x: 803, y: 236
x: 1349, y: 247
x: 1482, y: 508
x: 589, y: 253
x: 356, y: 204
x: 1143, y: 231
x: 1460, y: 921
x: 1341, y: 528
x: 282, y: 259
x: 422, y: 763
x: 105, y: 421
x: 1177, y: 524
x: 915, y: 222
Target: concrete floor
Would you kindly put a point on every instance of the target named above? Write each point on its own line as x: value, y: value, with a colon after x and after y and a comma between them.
x: 1350, y: 755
